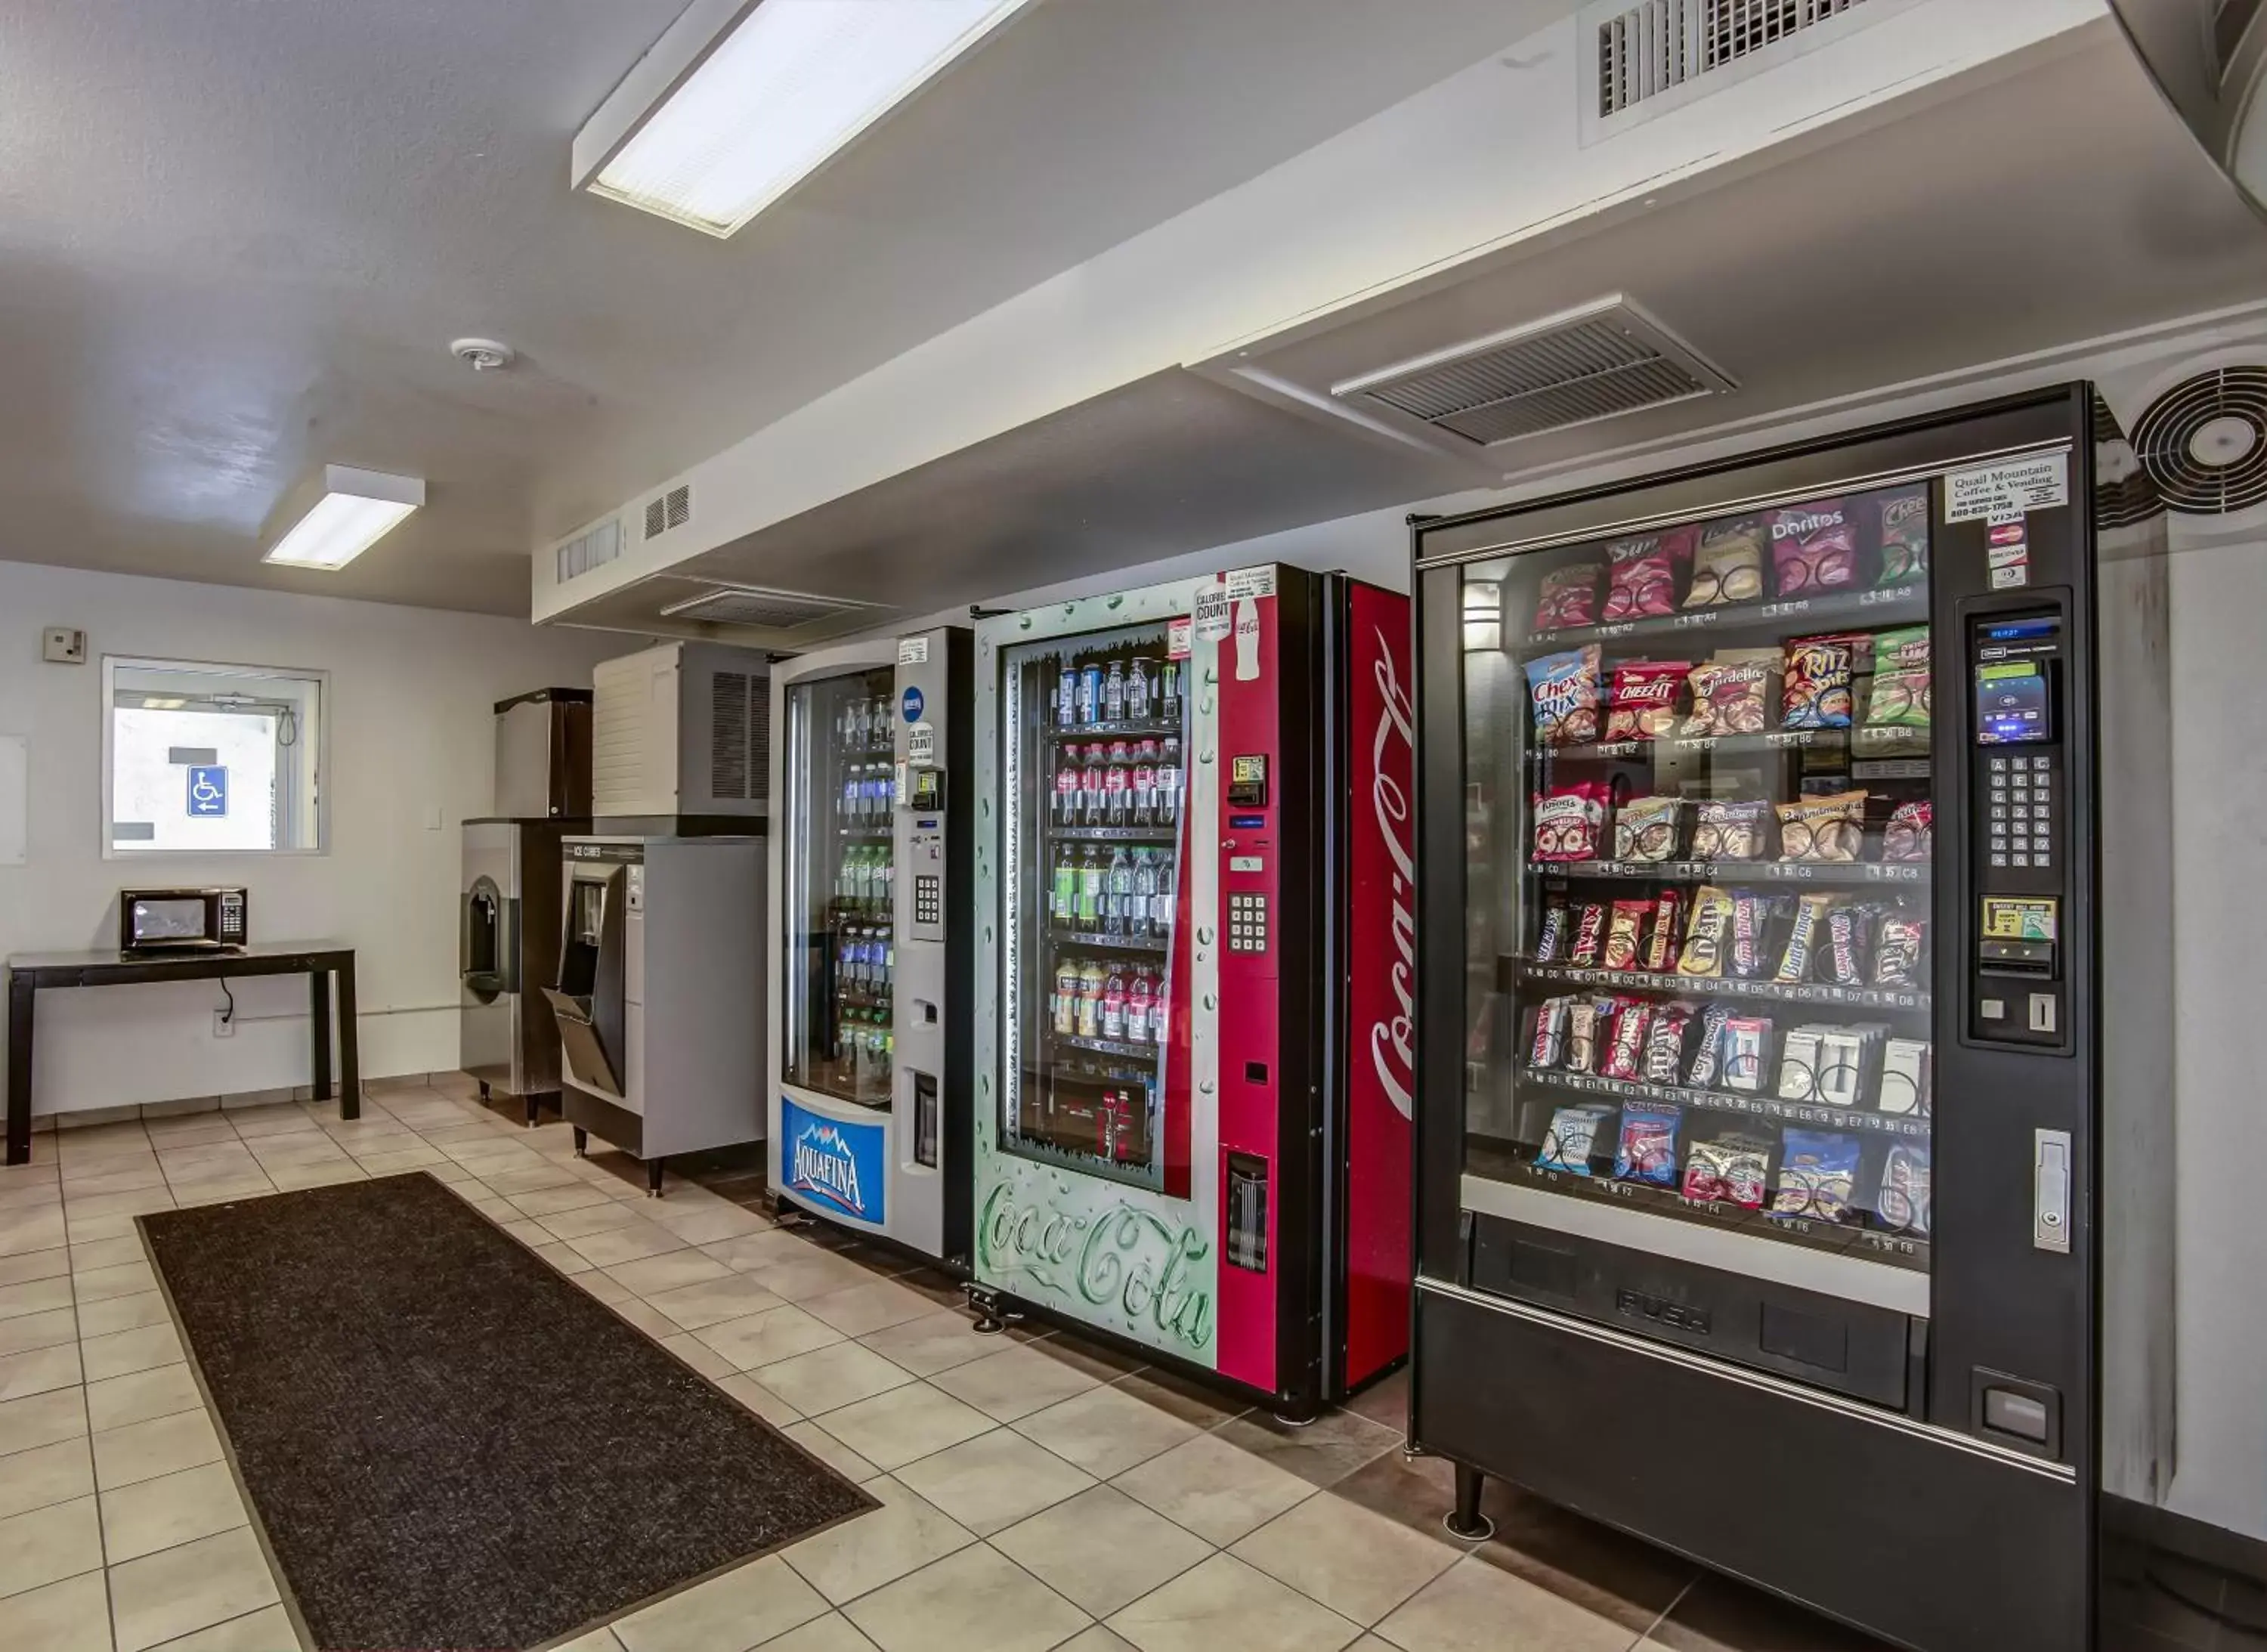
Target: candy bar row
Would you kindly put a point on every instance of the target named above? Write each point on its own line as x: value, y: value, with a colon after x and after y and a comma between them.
x: 1803, y: 1176
x: 1835, y: 940
x: 1570, y: 825
x: 1820, y: 1064
x: 1810, y: 684
x: 1798, y: 551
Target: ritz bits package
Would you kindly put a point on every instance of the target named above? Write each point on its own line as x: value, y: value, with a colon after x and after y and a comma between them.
x: 1904, y: 525
x: 1641, y: 703
x: 1814, y: 548
x: 1728, y: 567
x: 1565, y: 690
x: 1815, y: 686
x: 1642, y: 574
x: 1569, y: 597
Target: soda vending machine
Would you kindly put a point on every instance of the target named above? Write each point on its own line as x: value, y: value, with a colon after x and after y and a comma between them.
x: 870, y: 1007
x: 1759, y: 1085
x: 1195, y: 969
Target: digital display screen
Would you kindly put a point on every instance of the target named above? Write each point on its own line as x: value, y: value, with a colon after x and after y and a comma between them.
x: 2012, y: 705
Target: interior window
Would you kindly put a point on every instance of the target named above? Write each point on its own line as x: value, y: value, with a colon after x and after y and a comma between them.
x: 201, y: 759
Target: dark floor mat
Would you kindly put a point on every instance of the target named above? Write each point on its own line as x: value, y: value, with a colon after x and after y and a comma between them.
x: 447, y: 1443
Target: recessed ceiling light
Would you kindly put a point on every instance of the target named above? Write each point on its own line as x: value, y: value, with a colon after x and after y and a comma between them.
x: 740, y: 100
x: 358, y: 509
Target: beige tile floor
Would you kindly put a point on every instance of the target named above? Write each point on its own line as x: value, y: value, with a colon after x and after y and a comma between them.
x: 1036, y: 1491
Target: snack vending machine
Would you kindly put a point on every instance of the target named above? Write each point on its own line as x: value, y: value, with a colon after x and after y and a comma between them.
x: 1757, y: 1170
x: 1195, y: 973
x: 870, y: 1102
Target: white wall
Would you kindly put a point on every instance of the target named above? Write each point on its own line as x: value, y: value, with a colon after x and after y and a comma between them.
x: 411, y: 731
x: 2219, y: 904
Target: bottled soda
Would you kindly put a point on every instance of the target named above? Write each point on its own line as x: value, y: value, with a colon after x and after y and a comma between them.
x: 1066, y: 1004
x: 1066, y: 697
x: 1169, y: 782
x: 1093, y: 788
x: 1169, y: 691
x: 1113, y: 693
x: 1089, y: 909
x: 1141, y: 910
x: 1144, y: 786
x: 847, y: 810
x: 1161, y: 1005
x: 886, y: 865
x: 1063, y: 903
x: 1113, y: 1003
x: 1140, y: 996
x: 1089, y: 694
x: 1118, y: 780
x: 1066, y: 785
x: 1161, y: 907
x: 1117, y: 896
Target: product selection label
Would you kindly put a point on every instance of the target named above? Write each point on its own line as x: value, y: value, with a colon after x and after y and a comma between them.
x: 839, y: 1165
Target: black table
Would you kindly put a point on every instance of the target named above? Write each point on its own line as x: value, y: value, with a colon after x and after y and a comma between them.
x: 318, y: 960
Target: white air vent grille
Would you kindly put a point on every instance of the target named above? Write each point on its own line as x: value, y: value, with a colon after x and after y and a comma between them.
x: 728, y: 734
x: 1653, y: 47
x: 593, y: 548
x: 1592, y: 364
x: 667, y: 511
x: 751, y: 606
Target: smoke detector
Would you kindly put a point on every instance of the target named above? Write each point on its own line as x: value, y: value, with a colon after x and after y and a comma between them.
x: 483, y: 354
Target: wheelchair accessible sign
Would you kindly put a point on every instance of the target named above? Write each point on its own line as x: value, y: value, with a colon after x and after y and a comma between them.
x: 208, y: 793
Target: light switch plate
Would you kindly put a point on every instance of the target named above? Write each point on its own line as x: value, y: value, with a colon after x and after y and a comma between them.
x: 60, y: 645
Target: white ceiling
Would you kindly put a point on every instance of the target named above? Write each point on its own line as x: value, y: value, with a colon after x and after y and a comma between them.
x: 1973, y: 230
x: 236, y: 237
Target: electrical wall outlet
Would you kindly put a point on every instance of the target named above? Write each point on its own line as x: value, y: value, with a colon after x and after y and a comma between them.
x: 60, y: 645
x: 223, y: 1027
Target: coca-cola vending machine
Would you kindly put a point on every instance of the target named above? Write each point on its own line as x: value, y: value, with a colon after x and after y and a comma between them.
x: 1196, y: 956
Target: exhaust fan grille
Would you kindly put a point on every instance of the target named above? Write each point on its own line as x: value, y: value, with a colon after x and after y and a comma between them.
x: 1651, y: 49
x: 1594, y: 363
x: 2124, y: 495
x: 2204, y: 443
x: 769, y: 610
x: 739, y: 737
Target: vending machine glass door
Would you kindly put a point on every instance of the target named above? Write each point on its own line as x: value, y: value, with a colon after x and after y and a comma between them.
x: 840, y: 888
x: 1700, y: 848
x: 1095, y: 730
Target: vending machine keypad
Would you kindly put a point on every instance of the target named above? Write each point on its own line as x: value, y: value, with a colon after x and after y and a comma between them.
x: 2018, y: 980
x: 1247, y: 923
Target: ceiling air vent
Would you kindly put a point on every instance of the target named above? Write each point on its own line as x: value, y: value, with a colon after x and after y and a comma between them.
x: 751, y: 605
x: 1645, y: 50
x: 667, y: 511
x: 594, y: 548
x: 1601, y: 361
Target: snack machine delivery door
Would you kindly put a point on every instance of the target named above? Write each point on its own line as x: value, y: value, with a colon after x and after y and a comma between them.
x: 1700, y: 839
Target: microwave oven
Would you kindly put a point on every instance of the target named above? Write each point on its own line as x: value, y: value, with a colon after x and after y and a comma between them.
x: 180, y: 920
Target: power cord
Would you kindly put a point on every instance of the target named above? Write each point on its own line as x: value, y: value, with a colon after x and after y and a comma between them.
x: 227, y: 1015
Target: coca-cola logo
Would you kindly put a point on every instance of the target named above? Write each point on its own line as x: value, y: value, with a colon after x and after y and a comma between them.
x: 1150, y: 1270
x: 1392, y: 754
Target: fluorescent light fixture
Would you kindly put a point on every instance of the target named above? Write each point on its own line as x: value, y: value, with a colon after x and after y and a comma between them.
x: 358, y: 509
x: 740, y: 100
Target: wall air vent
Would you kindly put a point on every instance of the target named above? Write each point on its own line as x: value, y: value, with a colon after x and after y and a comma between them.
x: 1599, y: 362
x: 751, y: 605
x: 593, y: 548
x: 1645, y: 50
x: 2204, y: 442
x: 667, y: 511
